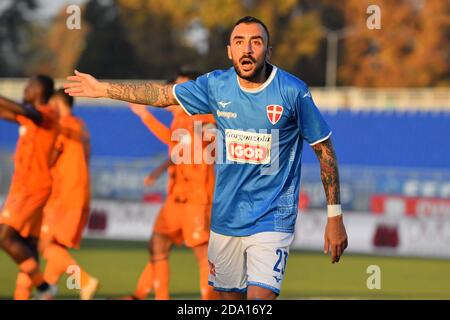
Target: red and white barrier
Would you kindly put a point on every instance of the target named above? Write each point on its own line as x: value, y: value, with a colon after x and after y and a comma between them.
x: 409, y: 206
x: 422, y: 236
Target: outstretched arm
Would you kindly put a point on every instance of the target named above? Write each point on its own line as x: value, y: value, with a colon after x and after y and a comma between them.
x: 335, y: 234
x: 154, y: 125
x: 10, y: 109
x: 85, y: 85
x: 7, y: 115
x: 155, y: 174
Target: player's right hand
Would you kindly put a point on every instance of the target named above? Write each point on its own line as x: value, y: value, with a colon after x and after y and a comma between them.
x: 85, y: 85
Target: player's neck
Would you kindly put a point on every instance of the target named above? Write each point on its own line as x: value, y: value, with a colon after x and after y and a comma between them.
x: 258, y: 79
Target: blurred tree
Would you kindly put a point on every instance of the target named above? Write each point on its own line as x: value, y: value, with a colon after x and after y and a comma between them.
x: 167, y: 42
x: 410, y: 49
x: 57, y: 49
x: 156, y: 31
x: 100, y: 46
x: 151, y: 39
x: 108, y: 53
x: 431, y: 54
x: 15, y: 36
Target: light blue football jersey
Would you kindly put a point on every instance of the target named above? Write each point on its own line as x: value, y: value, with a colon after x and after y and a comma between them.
x: 259, y: 149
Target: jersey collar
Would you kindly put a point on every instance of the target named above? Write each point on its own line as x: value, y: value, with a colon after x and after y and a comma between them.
x: 261, y: 87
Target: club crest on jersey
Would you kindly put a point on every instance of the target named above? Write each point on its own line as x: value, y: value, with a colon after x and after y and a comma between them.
x: 274, y: 113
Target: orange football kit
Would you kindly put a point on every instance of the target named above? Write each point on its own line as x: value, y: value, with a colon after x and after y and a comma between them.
x: 31, y: 182
x: 185, y: 214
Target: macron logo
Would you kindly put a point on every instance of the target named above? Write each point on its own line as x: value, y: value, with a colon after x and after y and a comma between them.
x: 277, y: 279
x: 308, y: 94
x: 224, y: 104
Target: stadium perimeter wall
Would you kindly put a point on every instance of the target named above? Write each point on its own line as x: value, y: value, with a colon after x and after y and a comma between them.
x: 351, y: 98
x: 368, y: 233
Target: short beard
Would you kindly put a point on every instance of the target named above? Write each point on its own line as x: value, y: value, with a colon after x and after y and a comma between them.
x: 252, y: 76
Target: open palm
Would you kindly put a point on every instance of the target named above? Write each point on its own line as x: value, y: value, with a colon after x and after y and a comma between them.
x: 84, y: 85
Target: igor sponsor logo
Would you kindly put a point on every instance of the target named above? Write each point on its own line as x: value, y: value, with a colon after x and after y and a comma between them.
x: 247, y: 152
x: 248, y: 147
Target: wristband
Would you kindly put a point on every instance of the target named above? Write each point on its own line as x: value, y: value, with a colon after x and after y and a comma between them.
x: 334, y: 210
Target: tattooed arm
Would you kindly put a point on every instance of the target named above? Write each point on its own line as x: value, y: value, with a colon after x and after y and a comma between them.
x: 335, y: 237
x: 328, y: 170
x: 85, y: 85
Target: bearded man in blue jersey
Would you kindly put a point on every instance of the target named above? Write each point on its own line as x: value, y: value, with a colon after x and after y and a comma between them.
x: 263, y: 115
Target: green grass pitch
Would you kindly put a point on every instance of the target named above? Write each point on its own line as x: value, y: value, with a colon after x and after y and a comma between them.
x: 308, y: 276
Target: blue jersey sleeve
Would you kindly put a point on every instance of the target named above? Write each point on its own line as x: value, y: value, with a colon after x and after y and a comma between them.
x: 312, y: 126
x: 193, y: 96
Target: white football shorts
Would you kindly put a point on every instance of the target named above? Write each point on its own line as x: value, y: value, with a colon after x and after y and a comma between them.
x: 257, y: 260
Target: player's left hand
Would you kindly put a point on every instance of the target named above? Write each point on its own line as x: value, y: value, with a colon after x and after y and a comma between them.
x: 335, y: 238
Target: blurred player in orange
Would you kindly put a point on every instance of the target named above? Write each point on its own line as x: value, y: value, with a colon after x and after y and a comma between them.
x: 67, y: 209
x: 21, y: 215
x: 185, y: 215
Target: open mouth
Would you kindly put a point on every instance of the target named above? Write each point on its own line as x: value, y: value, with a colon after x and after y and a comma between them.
x: 247, y: 64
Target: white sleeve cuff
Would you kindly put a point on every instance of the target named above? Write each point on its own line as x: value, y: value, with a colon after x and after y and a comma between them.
x: 179, y: 102
x: 321, y: 140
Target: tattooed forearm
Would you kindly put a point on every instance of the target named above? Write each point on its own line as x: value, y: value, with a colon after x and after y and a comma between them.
x: 328, y: 170
x: 147, y: 93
